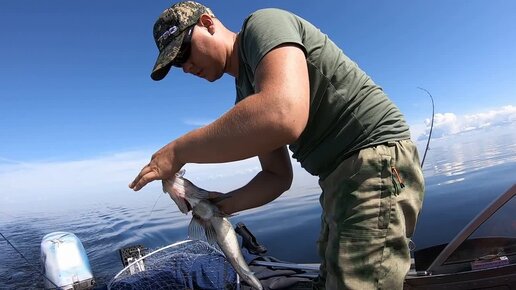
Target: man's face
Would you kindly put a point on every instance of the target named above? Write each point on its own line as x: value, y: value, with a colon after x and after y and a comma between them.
x: 207, y: 58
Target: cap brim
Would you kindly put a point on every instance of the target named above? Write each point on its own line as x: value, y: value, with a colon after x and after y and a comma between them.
x: 165, y: 58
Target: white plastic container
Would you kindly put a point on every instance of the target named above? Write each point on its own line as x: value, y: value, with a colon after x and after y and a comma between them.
x: 65, y: 262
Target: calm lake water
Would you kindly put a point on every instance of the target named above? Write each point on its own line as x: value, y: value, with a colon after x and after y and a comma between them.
x: 463, y: 174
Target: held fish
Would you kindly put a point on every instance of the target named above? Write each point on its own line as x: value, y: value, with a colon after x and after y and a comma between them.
x: 208, y: 220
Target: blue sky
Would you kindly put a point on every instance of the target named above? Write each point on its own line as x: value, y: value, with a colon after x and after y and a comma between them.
x: 75, y: 85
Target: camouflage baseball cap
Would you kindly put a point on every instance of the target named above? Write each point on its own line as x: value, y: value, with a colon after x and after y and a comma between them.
x: 169, y: 31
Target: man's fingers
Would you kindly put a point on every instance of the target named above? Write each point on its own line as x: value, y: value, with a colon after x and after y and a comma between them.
x: 144, y: 170
x: 142, y: 179
x: 146, y: 178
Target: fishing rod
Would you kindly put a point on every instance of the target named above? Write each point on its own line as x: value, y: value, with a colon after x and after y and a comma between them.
x: 26, y: 260
x: 431, y: 125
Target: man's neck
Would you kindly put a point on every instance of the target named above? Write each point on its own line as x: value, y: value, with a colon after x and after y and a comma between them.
x: 232, y: 58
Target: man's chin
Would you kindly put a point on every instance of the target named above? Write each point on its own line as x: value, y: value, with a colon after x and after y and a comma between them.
x: 211, y: 79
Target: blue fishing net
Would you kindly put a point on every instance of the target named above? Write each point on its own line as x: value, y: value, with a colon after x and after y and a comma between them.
x: 185, y: 265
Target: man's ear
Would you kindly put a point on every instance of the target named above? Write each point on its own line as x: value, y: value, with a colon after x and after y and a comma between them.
x: 207, y: 21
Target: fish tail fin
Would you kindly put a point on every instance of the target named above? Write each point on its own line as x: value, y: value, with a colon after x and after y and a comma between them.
x: 251, y: 279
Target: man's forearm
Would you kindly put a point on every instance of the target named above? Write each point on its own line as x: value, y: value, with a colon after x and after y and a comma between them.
x: 262, y: 189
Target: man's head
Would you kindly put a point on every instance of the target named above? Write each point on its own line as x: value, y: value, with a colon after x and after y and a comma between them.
x: 173, y: 33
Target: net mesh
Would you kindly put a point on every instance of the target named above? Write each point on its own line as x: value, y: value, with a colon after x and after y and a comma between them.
x: 183, y: 265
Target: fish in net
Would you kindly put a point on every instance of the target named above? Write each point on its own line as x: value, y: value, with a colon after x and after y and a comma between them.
x: 190, y: 264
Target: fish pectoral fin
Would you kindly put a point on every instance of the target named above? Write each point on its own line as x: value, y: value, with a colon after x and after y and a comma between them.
x: 211, y: 235
x: 200, y: 230
x: 196, y: 229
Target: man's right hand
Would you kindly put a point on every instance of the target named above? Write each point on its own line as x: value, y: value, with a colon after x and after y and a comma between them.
x: 163, y: 165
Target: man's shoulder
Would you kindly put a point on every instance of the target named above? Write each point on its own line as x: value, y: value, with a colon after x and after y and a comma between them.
x: 267, y: 20
x: 268, y: 11
x: 269, y: 14
x: 265, y: 29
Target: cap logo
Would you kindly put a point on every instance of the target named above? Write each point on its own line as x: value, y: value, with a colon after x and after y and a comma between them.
x: 167, y: 33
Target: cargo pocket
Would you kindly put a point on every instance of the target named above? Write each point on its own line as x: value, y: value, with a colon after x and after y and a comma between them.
x: 370, y: 205
x: 356, y: 263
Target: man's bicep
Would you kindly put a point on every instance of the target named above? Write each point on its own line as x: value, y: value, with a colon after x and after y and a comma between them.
x: 283, y: 67
x: 282, y: 78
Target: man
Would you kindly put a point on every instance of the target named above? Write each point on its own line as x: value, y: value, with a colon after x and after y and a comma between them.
x: 296, y: 87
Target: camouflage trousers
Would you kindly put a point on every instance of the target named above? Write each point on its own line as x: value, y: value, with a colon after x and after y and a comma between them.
x: 371, y: 203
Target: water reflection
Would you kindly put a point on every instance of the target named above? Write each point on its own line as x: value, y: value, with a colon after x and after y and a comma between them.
x: 458, y: 155
x: 463, y: 174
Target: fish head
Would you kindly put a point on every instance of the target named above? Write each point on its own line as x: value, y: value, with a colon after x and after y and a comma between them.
x: 177, y: 194
x: 184, y: 193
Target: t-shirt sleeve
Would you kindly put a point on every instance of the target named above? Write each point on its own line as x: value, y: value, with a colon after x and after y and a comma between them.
x: 266, y: 29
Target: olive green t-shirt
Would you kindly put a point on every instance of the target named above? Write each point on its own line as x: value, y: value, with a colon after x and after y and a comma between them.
x: 348, y: 111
